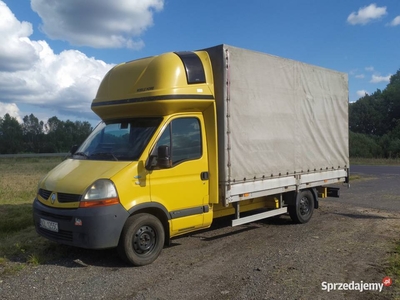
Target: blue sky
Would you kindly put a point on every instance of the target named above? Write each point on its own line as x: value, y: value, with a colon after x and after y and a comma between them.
x: 53, y: 54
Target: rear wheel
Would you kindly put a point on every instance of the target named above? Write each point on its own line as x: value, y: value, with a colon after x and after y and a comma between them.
x: 302, y: 210
x: 142, y: 239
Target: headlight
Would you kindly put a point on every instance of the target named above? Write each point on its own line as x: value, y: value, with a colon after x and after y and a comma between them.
x: 101, y: 193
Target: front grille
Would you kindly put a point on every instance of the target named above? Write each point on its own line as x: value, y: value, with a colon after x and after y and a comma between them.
x: 45, y: 194
x: 64, y: 197
x: 53, y: 216
x: 62, y: 235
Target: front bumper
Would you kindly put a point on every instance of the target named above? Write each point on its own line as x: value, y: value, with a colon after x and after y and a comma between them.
x: 91, y: 228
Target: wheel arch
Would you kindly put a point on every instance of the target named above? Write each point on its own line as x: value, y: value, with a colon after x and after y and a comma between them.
x: 157, y: 210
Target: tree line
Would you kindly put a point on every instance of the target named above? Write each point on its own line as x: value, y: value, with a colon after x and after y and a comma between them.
x: 374, y: 122
x: 34, y: 136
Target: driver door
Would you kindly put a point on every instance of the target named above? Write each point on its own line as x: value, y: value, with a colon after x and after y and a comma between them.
x: 183, y: 188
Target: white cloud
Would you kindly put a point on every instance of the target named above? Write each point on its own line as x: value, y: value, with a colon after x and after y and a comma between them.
x: 369, y: 69
x: 360, y: 76
x: 362, y: 93
x: 395, y: 22
x: 366, y: 14
x: 98, y: 23
x: 377, y: 78
x: 11, y: 109
x: 65, y: 82
x: 16, y: 50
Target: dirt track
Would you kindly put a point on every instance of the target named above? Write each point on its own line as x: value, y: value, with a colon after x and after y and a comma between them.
x: 271, y: 259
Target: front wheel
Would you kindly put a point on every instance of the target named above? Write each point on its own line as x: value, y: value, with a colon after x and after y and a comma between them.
x: 302, y: 210
x: 142, y: 239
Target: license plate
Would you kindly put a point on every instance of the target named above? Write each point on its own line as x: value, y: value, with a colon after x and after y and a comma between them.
x: 49, y: 225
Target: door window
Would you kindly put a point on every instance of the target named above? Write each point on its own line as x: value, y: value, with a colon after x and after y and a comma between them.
x: 185, y: 143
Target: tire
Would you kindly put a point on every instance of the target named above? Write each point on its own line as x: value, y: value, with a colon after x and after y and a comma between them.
x: 142, y: 239
x: 302, y: 211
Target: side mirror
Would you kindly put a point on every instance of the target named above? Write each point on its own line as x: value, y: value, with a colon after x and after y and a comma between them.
x: 164, y: 157
x: 73, y: 149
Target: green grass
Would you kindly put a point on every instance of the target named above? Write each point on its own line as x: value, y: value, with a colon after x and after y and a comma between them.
x: 393, y: 268
x: 15, y: 217
x: 375, y: 161
x: 19, y: 242
x: 354, y: 177
x: 394, y: 262
x: 19, y: 178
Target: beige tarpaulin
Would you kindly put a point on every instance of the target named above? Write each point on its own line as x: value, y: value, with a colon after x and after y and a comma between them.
x: 277, y: 116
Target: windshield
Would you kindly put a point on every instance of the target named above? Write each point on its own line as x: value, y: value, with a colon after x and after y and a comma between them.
x: 118, y: 140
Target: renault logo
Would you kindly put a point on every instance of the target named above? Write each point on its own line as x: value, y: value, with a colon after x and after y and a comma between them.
x: 53, y: 198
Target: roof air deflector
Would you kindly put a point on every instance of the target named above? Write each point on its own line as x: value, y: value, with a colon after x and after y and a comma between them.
x: 193, y: 67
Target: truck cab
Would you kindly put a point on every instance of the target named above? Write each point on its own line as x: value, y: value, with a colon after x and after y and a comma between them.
x: 145, y: 168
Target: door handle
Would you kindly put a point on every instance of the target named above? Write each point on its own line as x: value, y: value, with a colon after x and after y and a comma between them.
x: 204, y: 175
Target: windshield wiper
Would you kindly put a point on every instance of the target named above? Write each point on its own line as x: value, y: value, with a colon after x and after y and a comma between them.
x: 104, y: 155
x: 81, y: 154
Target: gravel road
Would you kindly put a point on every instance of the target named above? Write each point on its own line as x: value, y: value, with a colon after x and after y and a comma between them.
x: 347, y: 241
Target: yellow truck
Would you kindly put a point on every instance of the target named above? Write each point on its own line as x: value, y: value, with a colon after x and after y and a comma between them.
x: 187, y: 137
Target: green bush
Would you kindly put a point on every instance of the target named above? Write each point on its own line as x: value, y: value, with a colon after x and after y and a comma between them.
x: 362, y: 145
